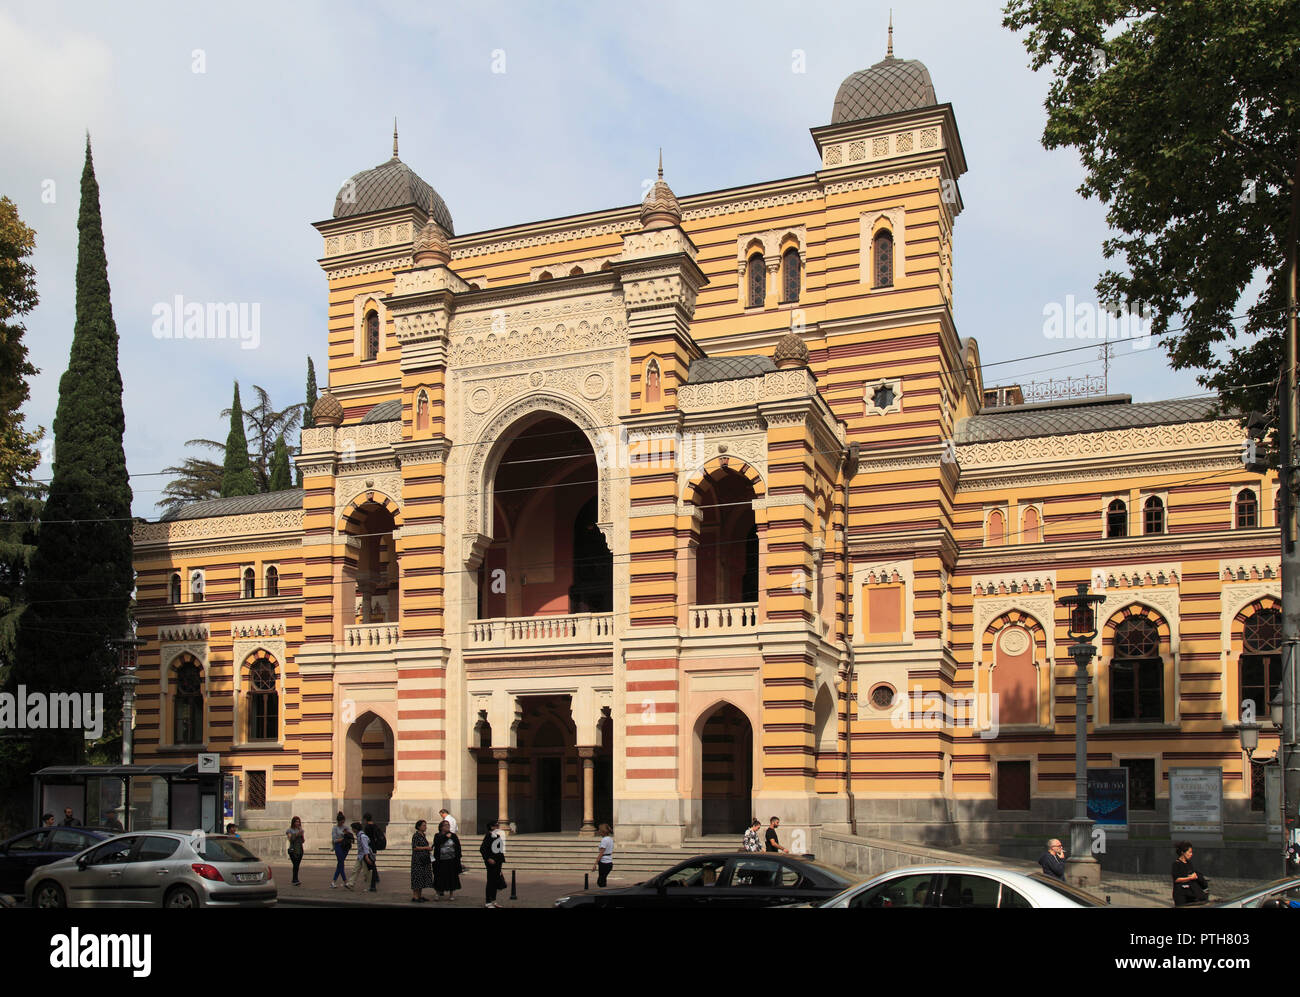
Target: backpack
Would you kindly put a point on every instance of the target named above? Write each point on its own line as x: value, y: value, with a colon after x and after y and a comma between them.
x: 377, y: 840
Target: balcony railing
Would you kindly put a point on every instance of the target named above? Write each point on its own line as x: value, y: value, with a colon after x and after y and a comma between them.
x: 370, y: 635
x: 534, y: 631
x: 724, y: 618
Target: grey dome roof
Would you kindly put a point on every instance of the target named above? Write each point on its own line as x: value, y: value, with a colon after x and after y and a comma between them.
x: 390, y: 185
x: 889, y: 86
x: 389, y: 411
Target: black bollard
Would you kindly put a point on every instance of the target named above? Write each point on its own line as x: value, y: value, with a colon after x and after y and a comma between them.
x: 585, y: 877
x: 514, y: 892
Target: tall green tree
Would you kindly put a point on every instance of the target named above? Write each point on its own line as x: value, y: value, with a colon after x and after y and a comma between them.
x: 237, y: 477
x: 308, y: 419
x: 80, y: 581
x: 18, y: 454
x: 1187, y: 119
x: 280, y: 476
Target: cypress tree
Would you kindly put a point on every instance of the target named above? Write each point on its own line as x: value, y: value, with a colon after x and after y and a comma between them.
x: 280, y: 479
x: 308, y: 421
x: 80, y: 580
x: 237, y: 477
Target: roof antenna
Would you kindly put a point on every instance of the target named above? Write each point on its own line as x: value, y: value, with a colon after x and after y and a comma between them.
x: 394, y: 136
x: 661, y: 162
x: 889, y: 52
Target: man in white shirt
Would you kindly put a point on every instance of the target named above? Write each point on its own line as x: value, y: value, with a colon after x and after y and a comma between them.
x: 443, y: 815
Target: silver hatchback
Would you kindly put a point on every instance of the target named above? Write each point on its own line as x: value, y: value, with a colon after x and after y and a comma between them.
x: 156, y: 869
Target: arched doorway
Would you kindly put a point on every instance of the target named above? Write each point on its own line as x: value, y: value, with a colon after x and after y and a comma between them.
x: 368, y: 784
x: 726, y: 560
x: 547, y: 556
x: 726, y: 752
x: 370, y: 574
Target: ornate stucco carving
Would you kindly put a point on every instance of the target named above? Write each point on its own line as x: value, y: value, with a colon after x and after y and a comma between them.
x: 515, y: 335
x: 1164, y: 601
x: 657, y: 242
x: 796, y: 383
x: 1162, y: 439
x: 1236, y: 597
x: 251, y: 524
x: 984, y: 610
x: 502, y: 383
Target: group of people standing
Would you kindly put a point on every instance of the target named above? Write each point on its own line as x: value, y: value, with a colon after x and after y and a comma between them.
x: 437, y: 864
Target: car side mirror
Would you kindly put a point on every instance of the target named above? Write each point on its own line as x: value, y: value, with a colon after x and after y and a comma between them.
x: 81, y: 864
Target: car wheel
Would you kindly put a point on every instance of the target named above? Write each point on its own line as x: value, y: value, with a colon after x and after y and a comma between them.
x: 182, y: 896
x: 49, y: 894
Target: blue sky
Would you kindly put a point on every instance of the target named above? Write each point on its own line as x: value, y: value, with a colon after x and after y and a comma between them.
x: 210, y: 180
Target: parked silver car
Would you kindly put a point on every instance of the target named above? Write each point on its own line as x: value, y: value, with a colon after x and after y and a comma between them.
x: 1279, y: 894
x: 973, y: 887
x: 156, y: 869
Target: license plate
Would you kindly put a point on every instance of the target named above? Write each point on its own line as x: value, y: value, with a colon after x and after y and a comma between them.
x: 248, y: 877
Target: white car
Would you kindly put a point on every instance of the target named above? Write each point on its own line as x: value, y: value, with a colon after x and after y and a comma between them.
x: 1279, y: 894
x: 973, y: 886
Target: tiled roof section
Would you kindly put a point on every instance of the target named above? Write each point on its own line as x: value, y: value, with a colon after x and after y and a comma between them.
x: 889, y: 86
x: 1018, y: 422
x: 237, y: 505
x: 390, y: 185
x: 389, y: 411
x: 728, y: 368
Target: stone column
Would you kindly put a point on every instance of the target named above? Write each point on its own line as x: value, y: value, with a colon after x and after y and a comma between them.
x: 588, y: 756
x: 502, y: 755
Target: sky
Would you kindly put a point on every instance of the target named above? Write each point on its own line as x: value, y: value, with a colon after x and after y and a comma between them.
x: 221, y: 132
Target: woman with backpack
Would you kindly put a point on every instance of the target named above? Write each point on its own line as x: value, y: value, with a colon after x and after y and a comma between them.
x: 297, y: 841
x: 341, y: 839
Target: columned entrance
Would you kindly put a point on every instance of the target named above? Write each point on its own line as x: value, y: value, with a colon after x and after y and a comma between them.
x: 368, y: 784
x: 726, y: 753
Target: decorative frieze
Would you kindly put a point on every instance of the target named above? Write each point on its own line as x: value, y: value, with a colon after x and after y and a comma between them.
x: 780, y: 384
x: 1077, y: 446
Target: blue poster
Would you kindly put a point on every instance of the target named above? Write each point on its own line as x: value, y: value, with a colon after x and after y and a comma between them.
x: 1108, y: 797
x: 227, y: 798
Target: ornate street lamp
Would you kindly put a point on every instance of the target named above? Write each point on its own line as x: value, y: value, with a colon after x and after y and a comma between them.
x: 1081, y: 868
x: 127, y: 650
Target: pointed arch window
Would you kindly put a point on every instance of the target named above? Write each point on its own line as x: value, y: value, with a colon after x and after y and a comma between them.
x: 1137, y: 679
x: 250, y: 583
x: 263, y: 702
x: 1261, y: 659
x: 790, y: 275
x: 1153, y: 515
x: 196, y: 586
x: 272, y: 582
x: 174, y: 588
x: 1247, y: 510
x: 1117, y: 519
x: 187, y: 722
x: 997, y: 529
x: 372, y: 334
x: 882, y: 259
x: 1032, y: 528
x: 756, y: 279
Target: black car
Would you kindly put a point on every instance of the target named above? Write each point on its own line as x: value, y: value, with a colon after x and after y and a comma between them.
x: 22, y: 853
x: 732, y: 879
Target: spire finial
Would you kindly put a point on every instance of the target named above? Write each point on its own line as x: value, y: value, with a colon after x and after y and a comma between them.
x: 661, y: 162
x: 889, y: 52
x: 394, y: 136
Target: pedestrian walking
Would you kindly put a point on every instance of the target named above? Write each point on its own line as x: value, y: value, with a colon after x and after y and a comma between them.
x: 446, y: 861
x: 421, y: 869
x: 605, y: 857
x: 750, y: 842
x: 1053, y: 860
x: 443, y: 815
x: 378, y: 842
x: 493, y: 850
x: 341, y: 839
x: 770, y: 838
x: 297, y: 842
x: 365, y: 862
x: 1189, y: 885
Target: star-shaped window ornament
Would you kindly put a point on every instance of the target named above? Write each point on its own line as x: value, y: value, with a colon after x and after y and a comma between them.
x: 883, y: 397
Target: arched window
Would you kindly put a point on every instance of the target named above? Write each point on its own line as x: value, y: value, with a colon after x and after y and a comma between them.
x: 263, y: 703
x: 422, y: 412
x: 790, y: 275
x: 1117, y: 519
x: 1247, y: 510
x: 997, y: 529
x: 187, y: 722
x: 1032, y: 533
x: 1261, y: 659
x: 250, y: 583
x: 196, y: 586
x: 372, y: 334
x: 1153, y: 515
x: 882, y: 263
x: 652, y: 382
x: 1137, y: 681
x: 756, y: 277
x: 272, y: 582
x: 174, y: 588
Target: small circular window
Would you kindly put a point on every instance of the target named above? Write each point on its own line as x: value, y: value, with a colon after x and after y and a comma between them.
x: 882, y: 697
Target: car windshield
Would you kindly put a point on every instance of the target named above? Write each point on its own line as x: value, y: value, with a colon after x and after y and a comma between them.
x: 226, y: 850
x: 1289, y: 888
x: 1081, y: 897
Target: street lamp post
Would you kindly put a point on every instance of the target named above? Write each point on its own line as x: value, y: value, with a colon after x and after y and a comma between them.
x: 1081, y: 868
x: 127, y: 649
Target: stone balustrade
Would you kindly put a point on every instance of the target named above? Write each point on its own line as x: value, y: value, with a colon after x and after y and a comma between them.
x: 724, y: 618
x: 541, y: 631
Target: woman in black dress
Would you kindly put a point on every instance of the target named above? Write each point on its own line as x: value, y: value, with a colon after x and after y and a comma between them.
x: 1189, y: 885
x: 421, y: 871
x: 446, y: 862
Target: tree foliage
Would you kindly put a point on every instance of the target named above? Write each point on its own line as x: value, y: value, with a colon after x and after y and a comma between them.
x: 18, y: 454
x: 1187, y: 120
x: 237, y: 477
x: 280, y: 475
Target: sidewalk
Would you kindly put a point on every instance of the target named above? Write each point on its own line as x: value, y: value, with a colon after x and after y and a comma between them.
x: 534, y: 889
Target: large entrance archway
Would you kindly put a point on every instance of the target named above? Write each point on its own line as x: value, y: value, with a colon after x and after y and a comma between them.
x: 368, y: 780
x: 548, y: 557
x: 370, y: 575
x: 726, y: 751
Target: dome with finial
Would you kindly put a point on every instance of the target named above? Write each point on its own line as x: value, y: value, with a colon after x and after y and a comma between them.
x: 890, y: 86
x: 431, y: 245
x: 660, y: 208
x: 790, y: 352
x: 391, y: 185
x: 327, y: 411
